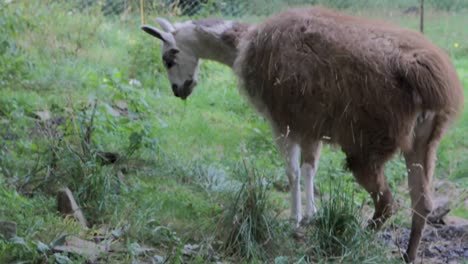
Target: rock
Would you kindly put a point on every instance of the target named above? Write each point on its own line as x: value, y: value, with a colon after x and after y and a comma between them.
x: 111, y: 111
x: 121, y: 105
x: 441, y: 201
x: 446, y: 187
x: 455, y: 220
x: 135, y: 82
x: 7, y: 229
x: 121, y: 175
x: 67, y: 205
x: 42, y: 115
x: 87, y: 249
x: 191, y: 250
x: 106, y: 158
x: 441, y: 205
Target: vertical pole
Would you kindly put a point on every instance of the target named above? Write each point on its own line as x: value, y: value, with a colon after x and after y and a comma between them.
x: 421, y: 18
x: 142, y: 11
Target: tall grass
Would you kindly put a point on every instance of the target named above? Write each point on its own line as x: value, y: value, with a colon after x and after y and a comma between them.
x: 248, y: 225
x: 337, y: 232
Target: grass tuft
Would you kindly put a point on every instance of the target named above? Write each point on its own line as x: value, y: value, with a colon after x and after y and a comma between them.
x: 337, y: 232
x: 248, y: 225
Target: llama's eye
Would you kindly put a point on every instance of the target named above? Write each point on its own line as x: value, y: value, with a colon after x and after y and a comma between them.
x: 169, y: 64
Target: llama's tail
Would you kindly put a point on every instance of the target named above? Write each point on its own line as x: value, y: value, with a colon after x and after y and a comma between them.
x: 434, y: 81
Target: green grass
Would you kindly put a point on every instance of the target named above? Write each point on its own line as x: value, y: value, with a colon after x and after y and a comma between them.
x: 180, y: 159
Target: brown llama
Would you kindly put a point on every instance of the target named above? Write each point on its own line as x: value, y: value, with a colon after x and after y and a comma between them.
x: 369, y: 87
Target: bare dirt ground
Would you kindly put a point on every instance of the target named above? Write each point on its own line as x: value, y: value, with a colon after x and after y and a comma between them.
x: 445, y: 238
x: 445, y: 244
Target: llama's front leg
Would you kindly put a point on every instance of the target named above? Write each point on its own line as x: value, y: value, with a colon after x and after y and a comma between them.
x: 310, y: 154
x: 290, y: 152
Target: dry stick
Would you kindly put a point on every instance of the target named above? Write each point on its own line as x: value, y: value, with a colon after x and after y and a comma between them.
x: 421, y: 18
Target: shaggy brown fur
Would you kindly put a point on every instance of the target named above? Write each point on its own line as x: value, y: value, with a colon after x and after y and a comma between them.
x: 233, y: 35
x: 359, y: 84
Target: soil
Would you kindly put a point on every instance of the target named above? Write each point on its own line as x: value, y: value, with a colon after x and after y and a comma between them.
x: 444, y: 244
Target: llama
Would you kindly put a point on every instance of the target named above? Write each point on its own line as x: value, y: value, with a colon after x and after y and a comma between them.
x: 319, y: 76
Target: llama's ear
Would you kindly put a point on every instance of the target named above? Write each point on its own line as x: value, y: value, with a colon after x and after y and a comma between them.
x: 166, y: 25
x: 165, y: 37
x: 154, y: 32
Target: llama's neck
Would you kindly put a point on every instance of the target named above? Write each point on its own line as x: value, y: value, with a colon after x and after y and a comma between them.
x: 212, y: 39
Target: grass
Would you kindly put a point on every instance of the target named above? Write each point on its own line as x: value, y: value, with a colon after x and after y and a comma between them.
x: 337, y: 233
x: 247, y: 226
x: 182, y: 162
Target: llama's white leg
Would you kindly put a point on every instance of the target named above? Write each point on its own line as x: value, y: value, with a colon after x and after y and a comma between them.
x: 294, y: 175
x: 290, y: 152
x: 308, y: 171
x: 310, y: 160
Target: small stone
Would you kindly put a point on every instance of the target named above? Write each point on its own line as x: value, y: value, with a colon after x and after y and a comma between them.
x: 440, y: 248
x: 106, y: 158
x: 442, y: 208
x: 7, y: 229
x: 190, y: 249
x: 111, y: 111
x: 121, y: 175
x: 43, y: 115
x: 121, y: 105
x: 455, y: 220
x: 134, y: 82
x: 68, y: 207
x: 76, y: 245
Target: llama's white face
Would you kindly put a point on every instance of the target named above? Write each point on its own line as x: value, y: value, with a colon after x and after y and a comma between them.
x: 181, y: 63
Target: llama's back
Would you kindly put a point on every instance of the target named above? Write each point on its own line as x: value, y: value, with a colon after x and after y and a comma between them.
x: 320, y: 72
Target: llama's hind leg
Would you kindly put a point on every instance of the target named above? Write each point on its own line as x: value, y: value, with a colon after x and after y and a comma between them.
x: 310, y: 155
x: 290, y: 151
x: 420, y: 161
x: 370, y: 175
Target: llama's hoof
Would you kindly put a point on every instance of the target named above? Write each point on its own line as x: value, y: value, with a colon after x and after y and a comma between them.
x: 407, y: 258
x: 299, y: 233
x: 306, y: 221
x: 295, y: 221
x: 374, y: 224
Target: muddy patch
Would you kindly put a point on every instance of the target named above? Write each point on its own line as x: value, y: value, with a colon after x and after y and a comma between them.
x: 445, y: 244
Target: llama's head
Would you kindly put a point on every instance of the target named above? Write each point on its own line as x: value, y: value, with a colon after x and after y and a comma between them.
x: 180, y: 61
